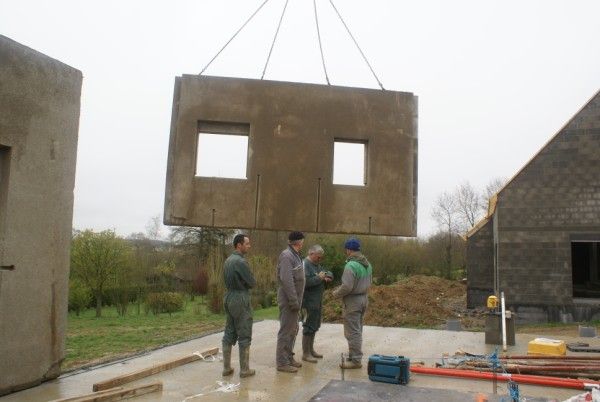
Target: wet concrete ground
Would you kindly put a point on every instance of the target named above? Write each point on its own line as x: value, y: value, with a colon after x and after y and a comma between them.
x: 269, y: 385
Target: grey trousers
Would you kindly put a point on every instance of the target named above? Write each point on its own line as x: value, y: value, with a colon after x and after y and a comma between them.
x: 355, y: 307
x: 286, y: 337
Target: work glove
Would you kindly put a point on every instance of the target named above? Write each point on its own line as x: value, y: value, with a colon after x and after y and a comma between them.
x: 295, y: 307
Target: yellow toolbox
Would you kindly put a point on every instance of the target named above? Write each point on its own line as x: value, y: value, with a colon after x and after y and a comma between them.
x: 545, y: 346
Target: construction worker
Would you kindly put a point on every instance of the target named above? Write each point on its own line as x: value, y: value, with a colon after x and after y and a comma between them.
x: 238, y: 327
x: 290, y: 278
x: 315, y: 277
x: 356, y: 281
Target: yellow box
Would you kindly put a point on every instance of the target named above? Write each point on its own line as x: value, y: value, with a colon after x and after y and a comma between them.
x: 545, y: 346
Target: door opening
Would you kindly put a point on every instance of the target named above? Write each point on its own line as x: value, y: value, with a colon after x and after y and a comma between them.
x: 585, y: 263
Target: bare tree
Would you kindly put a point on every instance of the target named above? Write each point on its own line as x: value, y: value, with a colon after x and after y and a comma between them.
x: 446, y: 213
x: 469, y: 205
x: 491, y: 189
x: 153, y: 228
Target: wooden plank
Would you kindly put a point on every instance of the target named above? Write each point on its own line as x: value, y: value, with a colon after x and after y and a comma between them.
x: 76, y: 398
x: 136, y: 375
x: 115, y: 394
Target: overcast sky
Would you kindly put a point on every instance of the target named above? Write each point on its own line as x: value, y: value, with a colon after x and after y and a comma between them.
x: 495, y: 79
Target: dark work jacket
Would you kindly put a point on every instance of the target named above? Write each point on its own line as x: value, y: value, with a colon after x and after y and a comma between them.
x: 237, y: 273
x: 314, y: 287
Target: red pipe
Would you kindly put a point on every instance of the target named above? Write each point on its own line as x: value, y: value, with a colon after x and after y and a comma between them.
x: 518, y: 378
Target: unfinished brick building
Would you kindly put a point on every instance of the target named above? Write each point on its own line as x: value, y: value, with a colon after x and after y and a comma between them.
x: 540, y: 241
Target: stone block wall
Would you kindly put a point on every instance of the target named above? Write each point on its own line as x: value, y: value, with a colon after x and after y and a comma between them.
x: 480, y: 266
x: 553, y: 199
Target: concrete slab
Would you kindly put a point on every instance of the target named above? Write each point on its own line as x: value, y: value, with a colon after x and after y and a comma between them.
x: 270, y: 385
x: 349, y: 391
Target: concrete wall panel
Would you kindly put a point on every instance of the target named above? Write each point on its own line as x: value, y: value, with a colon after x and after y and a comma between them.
x: 289, y: 185
x: 39, y: 119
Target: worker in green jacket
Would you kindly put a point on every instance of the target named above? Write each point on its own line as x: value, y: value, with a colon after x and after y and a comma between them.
x: 312, y: 301
x: 356, y: 280
x: 238, y: 327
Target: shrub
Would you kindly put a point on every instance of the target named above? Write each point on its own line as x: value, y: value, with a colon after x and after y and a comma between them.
x: 264, y: 272
x: 269, y: 299
x: 164, y: 302
x: 216, y: 285
x: 80, y: 296
x: 120, y: 297
x: 200, y: 285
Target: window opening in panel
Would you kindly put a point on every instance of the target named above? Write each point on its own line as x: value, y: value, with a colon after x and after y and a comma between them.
x: 222, y: 155
x: 349, y: 163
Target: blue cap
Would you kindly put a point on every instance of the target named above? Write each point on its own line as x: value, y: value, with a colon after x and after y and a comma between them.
x: 352, y: 244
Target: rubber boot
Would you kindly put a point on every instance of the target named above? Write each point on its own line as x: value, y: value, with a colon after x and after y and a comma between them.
x: 245, y: 370
x: 294, y: 362
x: 227, y: 370
x: 306, y: 354
x: 312, y: 348
x: 287, y: 369
x: 350, y: 364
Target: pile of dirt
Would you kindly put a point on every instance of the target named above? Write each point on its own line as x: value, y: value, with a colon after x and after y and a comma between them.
x: 417, y: 301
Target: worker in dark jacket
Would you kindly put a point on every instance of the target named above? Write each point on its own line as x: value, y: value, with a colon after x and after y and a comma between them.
x: 290, y: 280
x: 238, y: 328
x: 356, y: 280
x: 316, y: 277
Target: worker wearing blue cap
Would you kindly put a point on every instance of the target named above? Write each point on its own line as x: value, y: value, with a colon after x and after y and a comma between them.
x: 356, y: 280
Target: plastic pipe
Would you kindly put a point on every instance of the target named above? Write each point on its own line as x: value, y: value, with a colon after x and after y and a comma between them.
x: 519, y: 378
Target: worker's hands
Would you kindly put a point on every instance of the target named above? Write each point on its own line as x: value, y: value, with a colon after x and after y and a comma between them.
x: 321, y: 275
x: 294, y: 307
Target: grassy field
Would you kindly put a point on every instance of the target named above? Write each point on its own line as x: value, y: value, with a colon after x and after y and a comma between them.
x: 92, y: 340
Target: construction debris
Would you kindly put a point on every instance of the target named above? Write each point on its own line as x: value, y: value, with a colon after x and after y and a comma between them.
x: 415, y: 301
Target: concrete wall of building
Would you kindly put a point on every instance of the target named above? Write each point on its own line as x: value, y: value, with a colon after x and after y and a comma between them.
x: 289, y: 185
x: 39, y: 119
x: 554, y: 198
x: 480, y: 266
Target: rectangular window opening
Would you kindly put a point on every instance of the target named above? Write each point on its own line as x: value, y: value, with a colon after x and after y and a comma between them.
x: 350, y: 163
x: 4, y: 176
x: 222, y: 150
x: 585, y: 264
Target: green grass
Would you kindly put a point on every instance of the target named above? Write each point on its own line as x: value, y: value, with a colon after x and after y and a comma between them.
x: 92, y: 340
x: 271, y: 313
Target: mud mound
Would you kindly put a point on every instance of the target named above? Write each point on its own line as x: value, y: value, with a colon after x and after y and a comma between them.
x: 417, y: 301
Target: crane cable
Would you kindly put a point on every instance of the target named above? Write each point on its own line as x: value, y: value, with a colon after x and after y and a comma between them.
x: 318, y: 35
x: 274, y: 39
x: 234, y: 35
x: 356, y: 43
x: 320, y: 45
